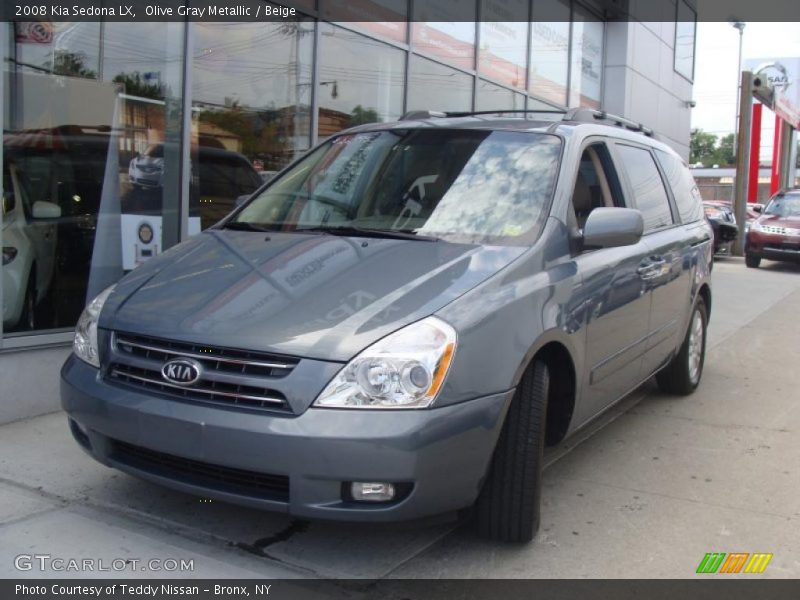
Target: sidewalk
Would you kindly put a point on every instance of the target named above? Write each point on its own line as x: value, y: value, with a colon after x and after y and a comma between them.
x: 647, y: 496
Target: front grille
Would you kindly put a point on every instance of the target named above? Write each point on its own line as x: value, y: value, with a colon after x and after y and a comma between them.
x: 225, y: 360
x: 207, y: 475
x: 228, y: 394
x: 229, y: 378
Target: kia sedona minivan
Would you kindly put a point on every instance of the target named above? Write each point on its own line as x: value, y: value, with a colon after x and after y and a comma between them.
x: 398, y: 323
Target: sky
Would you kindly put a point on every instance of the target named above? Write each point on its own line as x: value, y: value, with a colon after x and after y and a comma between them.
x: 716, y: 72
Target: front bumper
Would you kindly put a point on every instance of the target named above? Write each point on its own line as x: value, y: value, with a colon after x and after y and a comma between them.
x: 440, y: 455
x: 773, y: 246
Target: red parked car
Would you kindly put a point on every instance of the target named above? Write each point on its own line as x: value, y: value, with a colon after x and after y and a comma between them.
x: 775, y: 235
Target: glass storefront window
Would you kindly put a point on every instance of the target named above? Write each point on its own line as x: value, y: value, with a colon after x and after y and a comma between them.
x: 251, y: 110
x: 360, y: 80
x: 446, y: 29
x: 503, y: 52
x: 432, y: 86
x: 387, y: 18
x: 494, y: 97
x: 587, y: 60
x: 684, y: 40
x: 549, y: 63
x: 82, y: 104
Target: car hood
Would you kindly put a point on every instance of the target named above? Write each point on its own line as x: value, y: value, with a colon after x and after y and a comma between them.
x: 314, y: 296
x: 777, y: 221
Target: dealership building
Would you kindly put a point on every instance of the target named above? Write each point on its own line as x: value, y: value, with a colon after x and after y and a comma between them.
x: 121, y: 140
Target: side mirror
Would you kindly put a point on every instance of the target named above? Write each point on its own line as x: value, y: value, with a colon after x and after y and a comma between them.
x: 45, y: 210
x: 759, y: 208
x: 8, y: 202
x: 241, y: 200
x: 612, y: 227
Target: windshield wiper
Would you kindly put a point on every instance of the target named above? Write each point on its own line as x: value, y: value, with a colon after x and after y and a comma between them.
x: 352, y: 230
x: 245, y: 226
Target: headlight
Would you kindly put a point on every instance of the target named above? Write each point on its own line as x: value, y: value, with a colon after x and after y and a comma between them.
x: 755, y: 226
x: 85, y: 343
x: 403, y: 370
x: 792, y: 231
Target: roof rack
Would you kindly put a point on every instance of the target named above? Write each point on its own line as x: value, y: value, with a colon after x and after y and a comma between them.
x: 431, y: 114
x: 588, y: 115
x: 580, y: 115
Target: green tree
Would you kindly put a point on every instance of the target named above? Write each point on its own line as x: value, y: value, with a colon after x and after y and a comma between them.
x: 702, y: 147
x: 72, y: 64
x: 361, y: 115
x: 136, y: 85
x: 726, y: 152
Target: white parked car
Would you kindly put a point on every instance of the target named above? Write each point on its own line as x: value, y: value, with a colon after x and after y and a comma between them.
x: 147, y: 169
x: 29, y: 250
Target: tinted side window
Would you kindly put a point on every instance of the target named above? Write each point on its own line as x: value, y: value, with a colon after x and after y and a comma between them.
x: 649, y: 195
x: 684, y: 188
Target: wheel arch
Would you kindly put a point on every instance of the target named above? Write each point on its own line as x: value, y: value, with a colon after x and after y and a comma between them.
x: 561, y: 365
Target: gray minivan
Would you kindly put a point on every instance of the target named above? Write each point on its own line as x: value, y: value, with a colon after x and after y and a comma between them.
x: 399, y: 322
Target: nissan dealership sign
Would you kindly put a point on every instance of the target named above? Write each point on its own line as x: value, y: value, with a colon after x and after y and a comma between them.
x: 783, y: 75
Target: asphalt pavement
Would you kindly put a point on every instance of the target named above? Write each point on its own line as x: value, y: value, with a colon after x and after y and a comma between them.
x: 646, y: 492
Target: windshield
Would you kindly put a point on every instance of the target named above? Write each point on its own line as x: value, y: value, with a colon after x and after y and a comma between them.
x: 472, y: 186
x: 787, y: 205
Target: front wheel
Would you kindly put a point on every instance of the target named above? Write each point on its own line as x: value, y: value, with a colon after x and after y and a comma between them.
x: 682, y: 375
x: 507, y: 509
x: 752, y: 261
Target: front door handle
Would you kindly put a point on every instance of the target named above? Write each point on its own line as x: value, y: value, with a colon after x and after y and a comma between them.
x: 651, y: 268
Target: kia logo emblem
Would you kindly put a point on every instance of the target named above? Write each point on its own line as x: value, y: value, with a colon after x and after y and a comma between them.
x: 181, y: 371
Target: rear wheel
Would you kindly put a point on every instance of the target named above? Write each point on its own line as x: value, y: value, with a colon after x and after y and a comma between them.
x: 752, y: 261
x: 508, y: 506
x: 682, y: 375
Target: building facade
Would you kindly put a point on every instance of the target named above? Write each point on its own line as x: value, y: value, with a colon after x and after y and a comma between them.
x: 122, y: 139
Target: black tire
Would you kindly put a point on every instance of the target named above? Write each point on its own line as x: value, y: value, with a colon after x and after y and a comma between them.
x: 678, y: 377
x: 752, y: 261
x: 27, y: 320
x: 507, y: 509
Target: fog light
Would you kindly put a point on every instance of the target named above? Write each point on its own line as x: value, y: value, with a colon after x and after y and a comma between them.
x: 372, y: 492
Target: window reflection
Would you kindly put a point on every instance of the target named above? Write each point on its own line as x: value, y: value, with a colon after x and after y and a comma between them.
x: 81, y: 103
x: 360, y: 80
x: 550, y: 50
x: 495, y: 97
x: 433, y: 86
x: 587, y: 61
x: 251, y: 97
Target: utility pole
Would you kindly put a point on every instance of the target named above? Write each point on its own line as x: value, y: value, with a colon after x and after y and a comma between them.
x: 742, y: 159
x: 740, y: 25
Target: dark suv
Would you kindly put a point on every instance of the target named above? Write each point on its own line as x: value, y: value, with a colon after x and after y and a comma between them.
x: 400, y: 321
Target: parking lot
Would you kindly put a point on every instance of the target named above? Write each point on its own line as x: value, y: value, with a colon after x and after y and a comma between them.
x: 655, y: 485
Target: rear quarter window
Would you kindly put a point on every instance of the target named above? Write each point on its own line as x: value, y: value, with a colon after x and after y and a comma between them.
x: 649, y: 194
x: 684, y: 188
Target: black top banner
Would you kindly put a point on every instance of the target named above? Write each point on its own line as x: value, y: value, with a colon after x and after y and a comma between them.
x: 388, y: 10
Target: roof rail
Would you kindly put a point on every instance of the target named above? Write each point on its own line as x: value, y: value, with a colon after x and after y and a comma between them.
x: 580, y: 115
x: 415, y: 115
x: 588, y: 115
x: 477, y: 113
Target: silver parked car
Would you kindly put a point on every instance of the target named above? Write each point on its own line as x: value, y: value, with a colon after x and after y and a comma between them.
x: 399, y: 322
